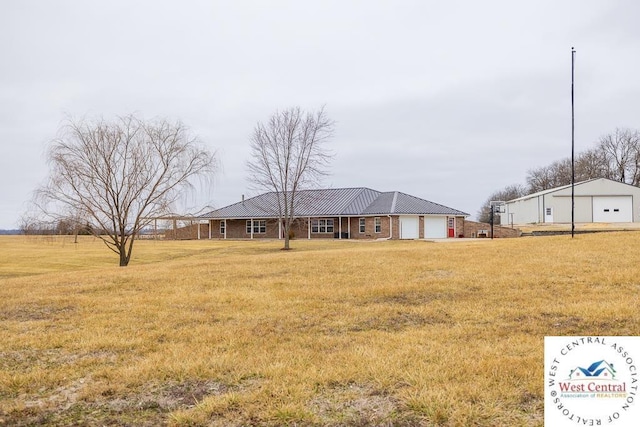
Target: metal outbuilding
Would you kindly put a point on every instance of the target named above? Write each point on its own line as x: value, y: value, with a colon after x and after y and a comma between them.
x: 596, y: 200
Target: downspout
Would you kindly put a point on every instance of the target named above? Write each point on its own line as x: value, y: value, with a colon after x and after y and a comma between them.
x: 393, y: 209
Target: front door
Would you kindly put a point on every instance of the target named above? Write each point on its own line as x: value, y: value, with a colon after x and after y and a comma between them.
x: 452, y: 227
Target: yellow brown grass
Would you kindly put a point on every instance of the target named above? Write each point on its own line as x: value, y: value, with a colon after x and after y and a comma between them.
x: 331, y: 333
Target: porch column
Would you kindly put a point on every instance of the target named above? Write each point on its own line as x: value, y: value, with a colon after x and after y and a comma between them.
x: 339, y: 228
x: 279, y: 229
x: 309, y: 228
x: 210, y: 227
x: 251, y: 228
x: 198, y: 223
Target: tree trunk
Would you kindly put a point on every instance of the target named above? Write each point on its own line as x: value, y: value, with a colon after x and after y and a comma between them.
x: 124, y: 259
x: 287, y: 229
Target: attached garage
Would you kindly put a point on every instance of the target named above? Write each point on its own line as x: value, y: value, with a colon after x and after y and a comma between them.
x: 340, y: 213
x: 409, y: 227
x: 435, y: 227
x: 613, y: 209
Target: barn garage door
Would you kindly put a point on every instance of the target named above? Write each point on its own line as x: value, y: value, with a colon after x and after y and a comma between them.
x: 435, y: 227
x: 409, y: 227
x: 612, y: 209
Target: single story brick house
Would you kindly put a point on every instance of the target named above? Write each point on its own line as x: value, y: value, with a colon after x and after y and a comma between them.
x: 342, y: 213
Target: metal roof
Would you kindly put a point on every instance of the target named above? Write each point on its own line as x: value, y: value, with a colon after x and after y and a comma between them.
x: 397, y: 203
x: 549, y: 190
x: 408, y: 204
x: 334, y: 202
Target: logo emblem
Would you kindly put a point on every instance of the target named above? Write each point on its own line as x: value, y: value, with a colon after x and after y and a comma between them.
x: 591, y: 381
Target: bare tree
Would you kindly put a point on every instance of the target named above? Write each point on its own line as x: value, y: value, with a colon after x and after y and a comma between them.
x: 509, y: 192
x: 620, y: 153
x: 118, y: 175
x: 588, y: 165
x: 30, y: 223
x: 288, y: 154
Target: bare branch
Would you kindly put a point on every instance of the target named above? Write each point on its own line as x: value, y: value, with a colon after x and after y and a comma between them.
x: 289, y: 155
x: 116, y: 174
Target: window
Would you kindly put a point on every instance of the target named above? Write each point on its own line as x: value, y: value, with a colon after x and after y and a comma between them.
x: 606, y: 210
x: 329, y: 226
x: 378, y: 223
x: 363, y: 227
x: 548, y: 211
x: 223, y: 226
x: 616, y: 210
x: 259, y: 226
x: 322, y: 226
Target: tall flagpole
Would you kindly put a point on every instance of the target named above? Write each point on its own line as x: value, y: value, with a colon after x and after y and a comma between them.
x: 573, y: 170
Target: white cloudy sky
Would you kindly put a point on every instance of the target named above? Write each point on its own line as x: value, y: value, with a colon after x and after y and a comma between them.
x: 447, y: 101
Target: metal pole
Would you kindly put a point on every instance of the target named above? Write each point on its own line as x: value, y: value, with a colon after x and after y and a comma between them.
x: 573, y: 171
x: 491, y: 216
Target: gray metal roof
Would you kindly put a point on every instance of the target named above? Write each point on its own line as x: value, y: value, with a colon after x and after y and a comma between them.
x: 334, y: 202
x: 397, y: 203
x: 408, y: 204
x: 550, y: 190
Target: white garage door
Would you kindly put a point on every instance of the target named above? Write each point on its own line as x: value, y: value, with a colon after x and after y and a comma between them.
x: 435, y: 227
x: 409, y: 228
x: 612, y: 209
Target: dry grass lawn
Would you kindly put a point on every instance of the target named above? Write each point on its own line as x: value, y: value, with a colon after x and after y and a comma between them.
x: 331, y: 333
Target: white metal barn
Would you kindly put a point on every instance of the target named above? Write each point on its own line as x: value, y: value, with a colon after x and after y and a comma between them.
x: 596, y: 200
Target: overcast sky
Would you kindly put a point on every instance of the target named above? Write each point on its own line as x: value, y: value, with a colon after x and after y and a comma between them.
x: 447, y: 101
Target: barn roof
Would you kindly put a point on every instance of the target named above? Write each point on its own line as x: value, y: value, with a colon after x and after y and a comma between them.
x: 563, y: 187
x: 358, y: 201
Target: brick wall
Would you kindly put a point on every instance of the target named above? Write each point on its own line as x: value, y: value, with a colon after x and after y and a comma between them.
x: 236, y: 229
x: 190, y: 232
x: 460, y: 232
x: 481, y: 229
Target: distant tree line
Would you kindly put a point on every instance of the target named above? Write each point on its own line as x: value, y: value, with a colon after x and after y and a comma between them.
x: 30, y: 225
x: 616, y: 156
